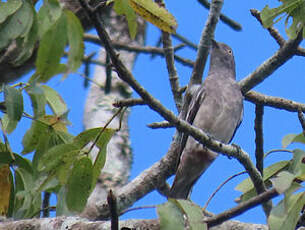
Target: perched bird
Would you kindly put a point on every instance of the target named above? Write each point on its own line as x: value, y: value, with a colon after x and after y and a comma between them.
x: 217, y: 109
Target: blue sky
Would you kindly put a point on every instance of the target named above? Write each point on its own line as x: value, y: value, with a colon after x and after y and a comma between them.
x: 251, y: 47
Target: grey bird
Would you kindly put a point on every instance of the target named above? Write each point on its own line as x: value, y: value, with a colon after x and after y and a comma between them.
x: 217, y: 109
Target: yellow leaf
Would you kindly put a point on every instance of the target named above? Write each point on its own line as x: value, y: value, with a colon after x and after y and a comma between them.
x: 5, y: 191
x: 155, y: 14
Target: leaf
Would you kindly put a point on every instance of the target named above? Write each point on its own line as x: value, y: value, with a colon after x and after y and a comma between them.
x: 8, y: 125
x: 19, y: 161
x: 297, y: 166
x: 80, y: 180
x: 290, y: 8
x: 13, y: 102
x: 53, y: 157
x: 38, y: 100
x: 27, y: 44
x: 17, y: 24
x: 282, y: 181
x: 8, y: 8
x: 47, y: 15
x: 54, y: 100
x: 123, y: 7
x: 50, y: 50
x: 32, y: 137
x: 89, y: 135
x: 293, y: 138
x: 247, y: 185
x: 155, y: 14
x: 192, y: 214
x: 170, y: 216
x: 285, y: 215
x: 5, y: 191
x: 101, y: 156
x: 75, y: 39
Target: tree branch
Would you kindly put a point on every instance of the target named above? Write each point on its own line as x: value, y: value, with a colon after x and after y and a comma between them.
x: 275, y: 102
x: 271, y: 64
x: 275, y: 34
x: 228, y: 21
x: 259, y: 139
x: 172, y: 72
x: 139, y: 49
x: 205, y: 41
x: 241, y: 208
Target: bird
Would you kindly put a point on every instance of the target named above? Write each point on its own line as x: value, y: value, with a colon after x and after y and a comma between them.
x: 216, y: 108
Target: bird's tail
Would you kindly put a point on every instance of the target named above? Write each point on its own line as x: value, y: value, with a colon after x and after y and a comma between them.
x: 192, y: 165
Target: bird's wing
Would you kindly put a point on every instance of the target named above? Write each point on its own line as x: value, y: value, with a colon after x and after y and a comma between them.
x: 191, y: 111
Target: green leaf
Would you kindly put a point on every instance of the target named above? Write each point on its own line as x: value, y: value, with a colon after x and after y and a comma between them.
x: 247, y: 185
x: 54, y: 100
x: 171, y: 217
x: 293, y: 138
x: 38, y: 100
x: 89, y: 135
x: 75, y: 39
x: 286, y: 214
x: 19, y: 161
x: 13, y: 102
x: 17, y: 24
x: 27, y: 44
x: 123, y: 7
x: 290, y: 8
x: 55, y: 155
x: 8, y: 8
x: 282, y: 181
x: 80, y: 180
x: 297, y: 166
x: 32, y: 136
x: 50, y: 51
x: 8, y: 125
x: 192, y: 214
x: 61, y: 206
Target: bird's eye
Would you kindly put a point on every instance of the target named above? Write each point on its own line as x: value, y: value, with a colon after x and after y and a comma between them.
x: 230, y: 51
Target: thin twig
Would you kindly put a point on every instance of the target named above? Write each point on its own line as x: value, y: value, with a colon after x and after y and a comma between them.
x: 259, y: 138
x: 241, y: 208
x: 277, y: 150
x: 172, y: 72
x: 162, y: 124
x: 185, y: 40
x: 128, y: 102
x: 139, y: 49
x: 103, y: 129
x: 275, y: 34
x: 228, y: 21
x: 219, y: 187
x: 112, y: 204
x: 138, y: 208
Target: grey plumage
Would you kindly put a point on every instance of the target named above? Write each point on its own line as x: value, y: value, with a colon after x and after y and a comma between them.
x: 216, y: 108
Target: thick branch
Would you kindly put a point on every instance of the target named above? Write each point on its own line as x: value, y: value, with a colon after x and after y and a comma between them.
x: 275, y: 102
x: 275, y: 34
x: 271, y: 64
x: 241, y: 208
x: 205, y: 41
x: 230, y: 22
